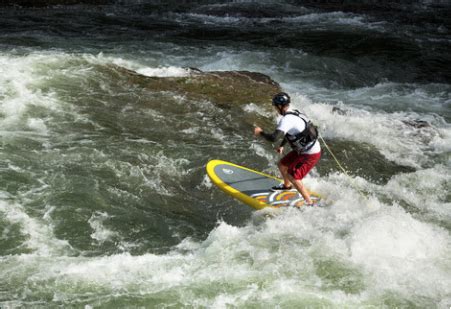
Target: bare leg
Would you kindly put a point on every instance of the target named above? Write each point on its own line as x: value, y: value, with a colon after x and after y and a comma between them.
x: 300, y: 187
x: 284, y: 171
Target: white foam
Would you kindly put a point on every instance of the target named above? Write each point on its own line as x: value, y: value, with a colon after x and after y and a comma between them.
x: 165, y: 72
x: 235, y: 61
x: 218, y: 134
x: 210, y: 19
x: 424, y: 189
x: 191, y: 131
x: 206, y: 183
x: 312, y: 19
x: 138, y: 66
x: 37, y: 125
x: 337, y: 18
x: 17, y: 93
x: 40, y: 237
x: 380, y: 247
x: 441, y: 142
x: 400, y: 96
x: 402, y: 254
x: 151, y: 171
x: 260, y: 151
x: 398, y: 142
x: 256, y: 109
x: 100, y: 232
x: 392, y: 236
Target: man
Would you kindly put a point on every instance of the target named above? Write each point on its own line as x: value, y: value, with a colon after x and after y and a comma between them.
x: 302, y: 135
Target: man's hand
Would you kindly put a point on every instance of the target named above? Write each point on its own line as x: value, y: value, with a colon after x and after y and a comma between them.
x: 257, y: 131
x: 279, y: 150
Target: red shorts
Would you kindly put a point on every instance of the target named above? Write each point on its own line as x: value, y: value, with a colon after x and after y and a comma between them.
x: 300, y: 164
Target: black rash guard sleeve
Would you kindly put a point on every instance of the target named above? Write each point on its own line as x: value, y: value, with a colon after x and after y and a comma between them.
x: 272, y: 137
x: 284, y: 141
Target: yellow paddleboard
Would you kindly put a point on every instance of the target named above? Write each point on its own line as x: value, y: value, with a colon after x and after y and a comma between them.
x: 251, y: 187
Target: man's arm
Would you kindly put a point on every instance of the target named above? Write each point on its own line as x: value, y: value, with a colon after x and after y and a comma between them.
x: 274, y: 136
x: 284, y: 141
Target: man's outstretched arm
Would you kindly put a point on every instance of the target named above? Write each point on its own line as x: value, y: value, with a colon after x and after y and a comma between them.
x: 271, y: 137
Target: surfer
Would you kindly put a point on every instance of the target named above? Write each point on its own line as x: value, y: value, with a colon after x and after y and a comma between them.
x: 294, y: 128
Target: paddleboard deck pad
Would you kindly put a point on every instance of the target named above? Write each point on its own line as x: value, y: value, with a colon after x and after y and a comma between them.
x: 251, y: 187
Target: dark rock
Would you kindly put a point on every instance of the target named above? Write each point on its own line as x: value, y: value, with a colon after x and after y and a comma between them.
x: 417, y: 123
x: 361, y: 159
x: 338, y: 111
x: 224, y: 88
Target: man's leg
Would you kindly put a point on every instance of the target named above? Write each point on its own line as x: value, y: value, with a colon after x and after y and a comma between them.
x: 302, y: 167
x: 297, y: 183
x: 284, y: 171
x: 284, y: 165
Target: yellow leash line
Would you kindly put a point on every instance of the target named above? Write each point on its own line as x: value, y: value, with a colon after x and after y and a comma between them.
x: 333, y: 156
x: 341, y: 167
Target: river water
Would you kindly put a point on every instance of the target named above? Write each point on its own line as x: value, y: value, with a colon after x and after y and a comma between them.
x: 104, y: 200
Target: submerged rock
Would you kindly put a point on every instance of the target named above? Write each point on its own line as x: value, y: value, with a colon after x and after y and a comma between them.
x: 224, y: 88
x: 338, y: 111
x: 361, y: 159
x: 418, y: 124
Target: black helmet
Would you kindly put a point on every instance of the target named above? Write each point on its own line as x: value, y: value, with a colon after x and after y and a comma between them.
x: 281, y: 99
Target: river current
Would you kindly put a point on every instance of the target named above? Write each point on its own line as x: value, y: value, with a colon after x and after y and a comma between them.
x: 104, y: 199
